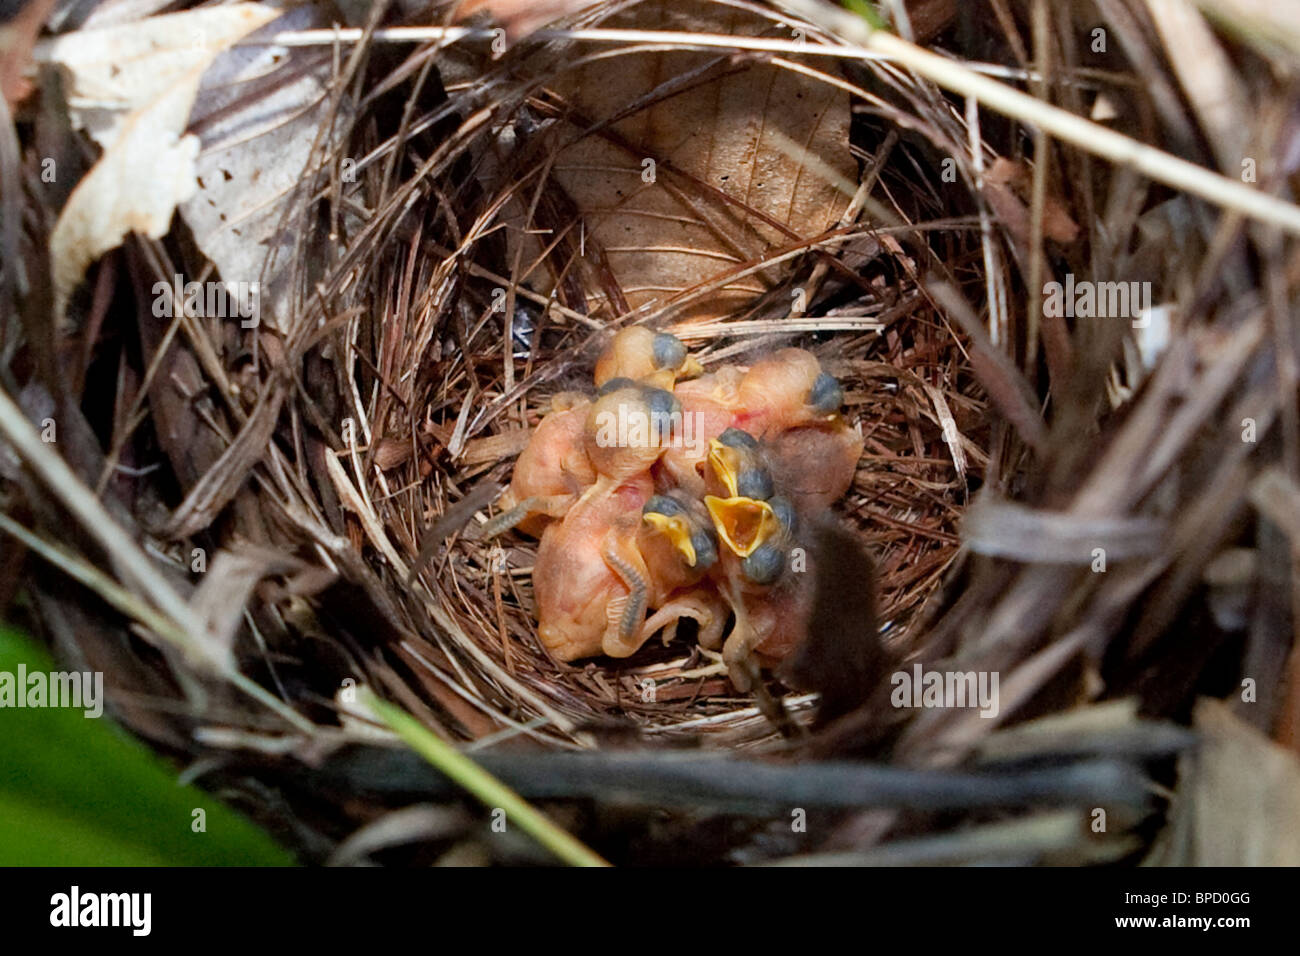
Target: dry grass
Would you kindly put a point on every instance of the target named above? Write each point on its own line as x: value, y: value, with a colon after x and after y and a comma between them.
x: 343, y: 453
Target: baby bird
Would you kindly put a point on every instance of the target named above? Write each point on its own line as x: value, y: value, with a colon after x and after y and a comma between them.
x: 592, y: 585
x: 646, y: 356
x: 786, y: 390
x: 623, y: 432
x: 757, y: 529
x: 787, y: 401
x: 550, y: 473
x: 739, y: 486
x: 676, y: 494
x: 679, y: 549
x: 815, y: 466
x: 587, y: 571
x: 794, y: 407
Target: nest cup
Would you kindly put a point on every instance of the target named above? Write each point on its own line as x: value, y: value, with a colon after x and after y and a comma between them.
x: 452, y: 329
x: 1069, y: 499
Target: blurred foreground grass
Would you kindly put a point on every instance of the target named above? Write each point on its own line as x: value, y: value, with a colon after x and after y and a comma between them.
x: 76, y: 791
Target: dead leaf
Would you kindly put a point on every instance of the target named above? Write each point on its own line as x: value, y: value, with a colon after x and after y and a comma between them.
x: 224, y: 590
x: 112, y: 72
x: 131, y: 88
x: 258, y: 113
x: 1238, y: 799
x: 724, y: 161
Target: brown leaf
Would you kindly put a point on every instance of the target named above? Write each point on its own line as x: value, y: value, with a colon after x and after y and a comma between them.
x: 226, y: 586
x: 722, y: 162
x: 1238, y: 799
x: 150, y: 73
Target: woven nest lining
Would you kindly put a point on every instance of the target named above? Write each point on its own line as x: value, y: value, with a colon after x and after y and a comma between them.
x: 456, y: 418
x: 1095, y: 509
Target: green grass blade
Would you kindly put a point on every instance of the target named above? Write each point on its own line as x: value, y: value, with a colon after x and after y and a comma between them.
x: 485, y: 787
x: 77, y: 791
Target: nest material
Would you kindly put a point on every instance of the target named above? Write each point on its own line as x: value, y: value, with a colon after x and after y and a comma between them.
x: 444, y: 411
x: 387, y: 391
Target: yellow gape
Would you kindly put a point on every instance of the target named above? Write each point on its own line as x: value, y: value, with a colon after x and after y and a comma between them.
x: 677, y: 494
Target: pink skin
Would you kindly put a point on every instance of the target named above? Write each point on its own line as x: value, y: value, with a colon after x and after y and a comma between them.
x: 711, y: 402
x: 773, y: 394
x: 596, y: 571
x: 768, y: 400
x: 581, y: 579
x: 574, y: 584
x: 836, y: 451
x: 554, y: 464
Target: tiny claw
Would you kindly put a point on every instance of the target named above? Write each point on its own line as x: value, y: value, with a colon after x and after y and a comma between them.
x: 738, y: 655
x: 707, y: 614
x: 552, y: 506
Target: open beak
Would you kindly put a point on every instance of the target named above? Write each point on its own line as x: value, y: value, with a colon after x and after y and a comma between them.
x: 726, y: 463
x: 739, y: 470
x: 678, y: 531
x: 743, y: 524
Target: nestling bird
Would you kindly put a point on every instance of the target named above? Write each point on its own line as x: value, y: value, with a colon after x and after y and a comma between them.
x: 642, y: 355
x: 842, y: 655
x: 673, y: 494
x: 591, y: 582
x: 550, y: 474
x: 679, y: 547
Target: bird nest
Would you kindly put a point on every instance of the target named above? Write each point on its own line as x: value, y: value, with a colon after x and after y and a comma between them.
x: 466, y: 227
x: 489, y: 288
